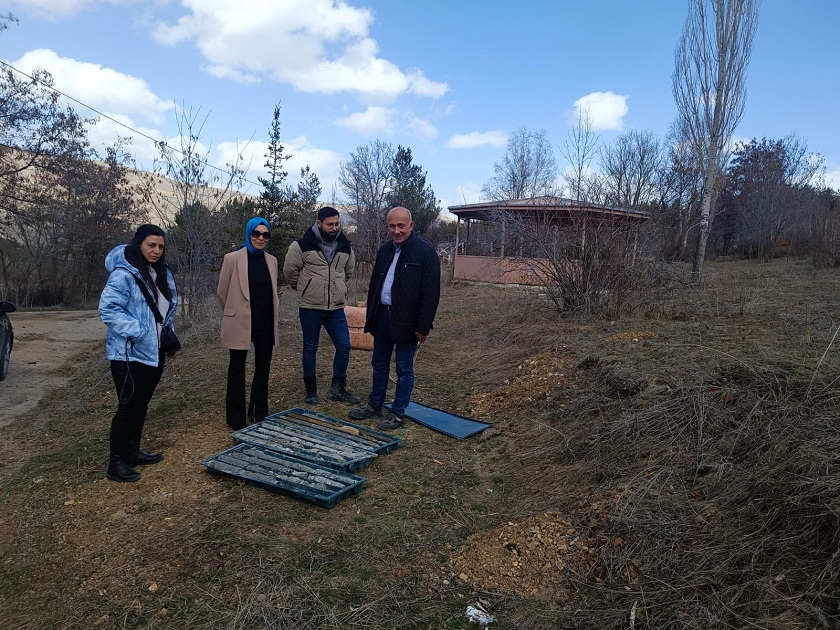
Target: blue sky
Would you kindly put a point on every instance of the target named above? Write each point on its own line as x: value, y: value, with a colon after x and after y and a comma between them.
x: 450, y: 79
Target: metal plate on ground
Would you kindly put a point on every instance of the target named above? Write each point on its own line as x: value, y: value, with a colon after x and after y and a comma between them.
x: 444, y: 422
x: 286, y: 475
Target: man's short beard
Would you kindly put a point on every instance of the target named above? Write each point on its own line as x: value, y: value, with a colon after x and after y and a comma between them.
x: 328, y: 238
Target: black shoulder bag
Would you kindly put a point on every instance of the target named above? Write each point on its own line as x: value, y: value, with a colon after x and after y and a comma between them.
x: 168, y: 339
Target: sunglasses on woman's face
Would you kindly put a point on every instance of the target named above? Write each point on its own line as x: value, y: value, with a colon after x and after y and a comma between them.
x: 258, y: 234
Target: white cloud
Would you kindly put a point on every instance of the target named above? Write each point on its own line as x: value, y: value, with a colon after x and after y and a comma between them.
x: 378, y: 120
x: 142, y: 148
x: 375, y: 120
x: 314, y: 45
x: 477, y: 139
x: 56, y: 9
x: 606, y: 110
x: 103, y: 89
x: 832, y: 177
x: 421, y: 128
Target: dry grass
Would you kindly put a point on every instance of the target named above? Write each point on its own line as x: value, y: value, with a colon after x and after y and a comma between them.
x: 678, y: 469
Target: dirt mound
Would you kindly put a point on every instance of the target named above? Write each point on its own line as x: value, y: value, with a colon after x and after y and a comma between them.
x: 528, y: 558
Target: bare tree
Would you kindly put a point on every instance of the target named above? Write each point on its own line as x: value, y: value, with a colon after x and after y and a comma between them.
x: 190, y: 203
x: 824, y: 220
x: 586, y: 265
x: 579, y: 148
x: 527, y: 170
x: 62, y: 204
x: 681, y: 189
x: 709, y: 89
x: 630, y: 170
x: 365, y: 180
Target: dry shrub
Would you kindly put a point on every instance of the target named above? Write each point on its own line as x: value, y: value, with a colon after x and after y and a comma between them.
x: 729, y: 504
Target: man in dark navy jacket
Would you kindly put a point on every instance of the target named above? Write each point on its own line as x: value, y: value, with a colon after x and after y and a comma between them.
x: 402, y: 301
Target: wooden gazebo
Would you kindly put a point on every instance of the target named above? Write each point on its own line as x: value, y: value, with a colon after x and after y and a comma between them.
x: 491, y: 260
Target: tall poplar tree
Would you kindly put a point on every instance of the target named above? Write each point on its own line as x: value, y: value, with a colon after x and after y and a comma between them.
x: 710, y: 93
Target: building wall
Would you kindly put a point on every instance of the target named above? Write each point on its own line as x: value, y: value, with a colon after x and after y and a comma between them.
x: 495, y: 270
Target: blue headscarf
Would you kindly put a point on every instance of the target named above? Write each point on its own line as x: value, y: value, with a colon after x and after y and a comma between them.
x: 250, y: 227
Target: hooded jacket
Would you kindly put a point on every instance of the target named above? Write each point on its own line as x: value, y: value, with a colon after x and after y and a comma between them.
x: 320, y: 285
x: 132, y: 329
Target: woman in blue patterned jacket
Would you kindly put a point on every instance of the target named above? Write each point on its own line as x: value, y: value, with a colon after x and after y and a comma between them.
x: 133, y: 342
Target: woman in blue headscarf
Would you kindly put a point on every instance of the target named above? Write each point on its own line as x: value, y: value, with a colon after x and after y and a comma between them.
x: 247, y: 293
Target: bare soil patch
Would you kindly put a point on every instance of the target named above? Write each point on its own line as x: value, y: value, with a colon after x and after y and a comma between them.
x: 48, y: 344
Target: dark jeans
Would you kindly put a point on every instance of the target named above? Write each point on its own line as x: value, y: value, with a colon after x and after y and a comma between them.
x: 235, y: 412
x: 335, y: 323
x: 135, y: 383
x: 383, y: 347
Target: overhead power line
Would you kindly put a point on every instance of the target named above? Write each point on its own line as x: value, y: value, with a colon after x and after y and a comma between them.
x: 114, y: 120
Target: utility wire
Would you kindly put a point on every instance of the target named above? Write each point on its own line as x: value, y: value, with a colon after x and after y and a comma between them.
x: 114, y: 120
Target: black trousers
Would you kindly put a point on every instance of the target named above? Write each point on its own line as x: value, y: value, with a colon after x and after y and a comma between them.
x: 235, y: 411
x: 135, y: 383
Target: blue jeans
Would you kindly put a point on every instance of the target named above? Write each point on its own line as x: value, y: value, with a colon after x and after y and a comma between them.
x: 383, y: 347
x: 335, y: 323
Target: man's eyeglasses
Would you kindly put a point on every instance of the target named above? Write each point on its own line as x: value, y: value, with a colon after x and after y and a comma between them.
x: 263, y: 235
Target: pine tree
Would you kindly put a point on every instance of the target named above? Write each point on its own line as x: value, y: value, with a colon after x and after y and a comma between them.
x: 277, y: 197
x: 411, y: 191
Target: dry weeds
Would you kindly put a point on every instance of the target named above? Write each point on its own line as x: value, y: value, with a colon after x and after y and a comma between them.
x: 678, y: 469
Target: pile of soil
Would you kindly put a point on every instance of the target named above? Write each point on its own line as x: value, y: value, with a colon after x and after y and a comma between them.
x: 528, y: 558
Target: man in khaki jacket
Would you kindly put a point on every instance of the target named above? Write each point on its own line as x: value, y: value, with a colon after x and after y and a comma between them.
x: 318, y: 266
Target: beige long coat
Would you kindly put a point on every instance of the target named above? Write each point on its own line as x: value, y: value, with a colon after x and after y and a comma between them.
x: 235, y: 300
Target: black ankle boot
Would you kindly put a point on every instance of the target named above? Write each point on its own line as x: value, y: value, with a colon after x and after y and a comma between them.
x: 118, y: 470
x: 339, y: 392
x: 137, y: 457
x: 311, y: 383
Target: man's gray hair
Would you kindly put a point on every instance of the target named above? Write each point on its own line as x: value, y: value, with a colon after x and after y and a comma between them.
x: 402, y: 208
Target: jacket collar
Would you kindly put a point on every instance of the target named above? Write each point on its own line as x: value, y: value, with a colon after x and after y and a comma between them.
x: 309, y: 241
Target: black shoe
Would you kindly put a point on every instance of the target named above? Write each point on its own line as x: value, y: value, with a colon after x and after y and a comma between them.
x: 392, y: 421
x: 118, y: 470
x: 235, y: 426
x: 139, y: 458
x: 339, y: 392
x: 363, y: 413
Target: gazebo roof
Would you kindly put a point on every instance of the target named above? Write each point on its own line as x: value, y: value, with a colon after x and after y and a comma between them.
x: 542, y: 205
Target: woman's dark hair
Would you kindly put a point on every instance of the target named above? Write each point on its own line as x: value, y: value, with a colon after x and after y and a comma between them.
x: 136, y: 258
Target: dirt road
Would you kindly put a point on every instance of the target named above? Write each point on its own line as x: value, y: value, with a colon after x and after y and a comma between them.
x: 45, y: 344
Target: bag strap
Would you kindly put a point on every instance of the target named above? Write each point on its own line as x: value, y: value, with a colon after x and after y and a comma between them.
x: 151, y: 301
